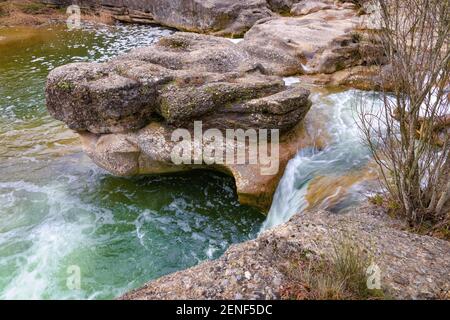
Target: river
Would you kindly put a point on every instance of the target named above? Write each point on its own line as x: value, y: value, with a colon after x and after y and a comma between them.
x: 59, y: 212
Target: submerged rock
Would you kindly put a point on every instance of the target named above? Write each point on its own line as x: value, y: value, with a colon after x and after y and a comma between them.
x: 411, y: 266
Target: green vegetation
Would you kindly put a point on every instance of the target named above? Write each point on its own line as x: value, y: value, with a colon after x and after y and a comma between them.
x: 64, y: 85
x: 377, y: 200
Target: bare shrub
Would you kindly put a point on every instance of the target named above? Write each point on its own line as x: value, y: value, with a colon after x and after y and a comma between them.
x: 409, y: 134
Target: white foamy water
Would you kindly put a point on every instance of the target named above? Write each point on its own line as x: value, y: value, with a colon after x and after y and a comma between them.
x: 291, y: 80
x: 345, y: 152
x: 46, y: 240
x: 236, y: 40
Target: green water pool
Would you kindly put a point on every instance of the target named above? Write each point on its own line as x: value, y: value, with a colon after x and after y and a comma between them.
x: 58, y: 211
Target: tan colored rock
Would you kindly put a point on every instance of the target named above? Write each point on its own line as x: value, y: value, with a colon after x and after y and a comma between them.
x: 310, y: 6
x: 321, y: 42
x: 359, y: 77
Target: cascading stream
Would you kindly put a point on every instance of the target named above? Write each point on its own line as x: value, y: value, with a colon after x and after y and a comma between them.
x: 345, y: 153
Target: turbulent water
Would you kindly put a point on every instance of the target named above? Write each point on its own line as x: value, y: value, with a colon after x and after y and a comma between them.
x: 335, y: 177
x: 60, y: 214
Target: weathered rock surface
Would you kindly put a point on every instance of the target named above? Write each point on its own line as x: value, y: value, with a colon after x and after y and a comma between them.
x: 127, y: 109
x: 319, y: 36
x: 309, y: 6
x: 148, y: 151
x: 412, y: 266
x: 184, y: 77
x: 325, y: 41
x: 358, y: 77
x: 220, y: 17
x: 230, y: 17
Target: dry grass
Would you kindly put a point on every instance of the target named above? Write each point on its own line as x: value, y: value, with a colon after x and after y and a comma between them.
x: 342, y: 276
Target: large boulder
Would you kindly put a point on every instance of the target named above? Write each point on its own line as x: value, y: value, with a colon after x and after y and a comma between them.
x: 289, y: 37
x: 309, y: 6
x: 230, y: 17
x: 182, y: 78
x: 282, y: 6
x: 127, y: 109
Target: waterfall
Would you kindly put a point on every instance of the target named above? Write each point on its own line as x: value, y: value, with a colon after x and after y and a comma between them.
x: 345, y: 152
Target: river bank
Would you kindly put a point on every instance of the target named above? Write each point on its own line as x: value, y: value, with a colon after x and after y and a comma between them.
x: 28, y: 13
